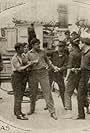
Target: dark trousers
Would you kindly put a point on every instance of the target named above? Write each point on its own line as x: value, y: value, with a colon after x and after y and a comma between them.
x: 58, y: 78
x: 18, y: 84
x: 51, y: 76
x: 72, y: 84
x: 42, y: 77
x: 82, y: 92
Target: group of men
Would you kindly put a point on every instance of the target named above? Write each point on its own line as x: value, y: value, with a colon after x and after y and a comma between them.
x: 69, y: 65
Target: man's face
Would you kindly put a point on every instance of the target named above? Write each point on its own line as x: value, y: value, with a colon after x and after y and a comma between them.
x: 21, y: 50
x: 61, y: 47
x: 26, y: 48
x: 36, y: 46
x: 67, y: 36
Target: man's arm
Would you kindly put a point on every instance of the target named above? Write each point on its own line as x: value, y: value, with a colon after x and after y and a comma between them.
x: 50, y: 64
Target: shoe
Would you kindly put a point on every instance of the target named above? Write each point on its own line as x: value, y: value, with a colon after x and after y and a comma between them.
x: 23, y: 114
x: 65, y: 108
x: 53, y: 115
x: 80, y: 118
x: 68, y: 115
x: 46, y: 108
x: 30, y: 113
x: 22, y: 117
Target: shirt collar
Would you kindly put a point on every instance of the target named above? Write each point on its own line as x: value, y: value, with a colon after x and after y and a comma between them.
x: 86, y: 50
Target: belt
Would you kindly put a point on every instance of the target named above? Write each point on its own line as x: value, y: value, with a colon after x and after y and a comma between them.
x: 44, y: 68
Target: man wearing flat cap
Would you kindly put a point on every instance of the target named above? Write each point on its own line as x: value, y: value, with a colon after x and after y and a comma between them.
x: 85, y: 78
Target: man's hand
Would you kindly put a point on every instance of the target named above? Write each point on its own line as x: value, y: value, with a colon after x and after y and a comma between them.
x: 33, y: 62
x: 56, y: 69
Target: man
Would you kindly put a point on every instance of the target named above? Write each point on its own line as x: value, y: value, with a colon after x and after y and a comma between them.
x: 84, y: 80
x: 39, y: 73
x: 60, y: 59
x: 19, y: 79
x: 73, y: 75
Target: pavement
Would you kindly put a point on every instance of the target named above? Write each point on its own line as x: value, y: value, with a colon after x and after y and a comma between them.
x: 40, y: 121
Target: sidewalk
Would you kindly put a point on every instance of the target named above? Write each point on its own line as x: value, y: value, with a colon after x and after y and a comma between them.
x: 40, y: 121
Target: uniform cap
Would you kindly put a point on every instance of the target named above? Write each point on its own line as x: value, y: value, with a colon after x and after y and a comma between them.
x: 74, y: 33
x: 75, y: 41
x: 56, y: 39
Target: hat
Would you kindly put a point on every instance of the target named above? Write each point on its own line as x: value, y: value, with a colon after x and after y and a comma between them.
x: 74, y: 33
x: 67, y: 32
x: 56, y: 39
x: 75, y: 41
x: 86, y: 41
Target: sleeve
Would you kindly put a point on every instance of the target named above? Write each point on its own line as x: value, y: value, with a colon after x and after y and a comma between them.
x: 49, y: 62
x: 15, y: 64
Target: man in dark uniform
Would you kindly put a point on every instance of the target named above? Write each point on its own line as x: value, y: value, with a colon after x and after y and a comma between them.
x: 39, y: 73
x: 60, y: 59
x: 84, y: 80
x: 73, y: 75
x: 19, y: 79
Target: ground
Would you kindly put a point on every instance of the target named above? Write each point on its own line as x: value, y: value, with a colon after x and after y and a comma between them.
x: 40, y: 121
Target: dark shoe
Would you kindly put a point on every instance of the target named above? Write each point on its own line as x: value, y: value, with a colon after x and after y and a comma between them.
x: 80, y: 118
x: 53, y: 115
x: 30, y: 113
x: 46, y: 108
x: 65, y: 108
x: 23, y: 114
x: 22, y: 117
